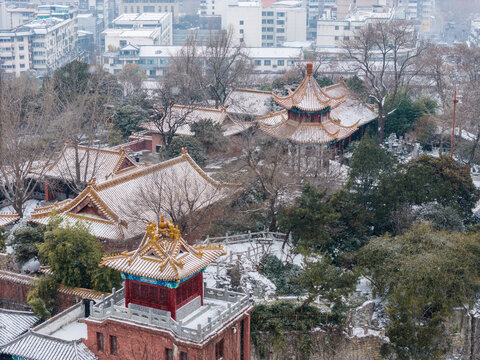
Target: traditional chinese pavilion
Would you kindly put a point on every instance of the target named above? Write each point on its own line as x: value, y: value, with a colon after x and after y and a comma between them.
x: 165, y: 310
x: 316, y: 115
x: 165, y: 272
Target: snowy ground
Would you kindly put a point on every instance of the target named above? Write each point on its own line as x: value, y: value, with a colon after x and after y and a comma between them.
x: 247, y: 256
x: 30, y: 205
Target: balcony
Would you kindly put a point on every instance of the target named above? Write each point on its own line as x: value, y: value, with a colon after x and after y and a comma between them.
x: 219, y: 307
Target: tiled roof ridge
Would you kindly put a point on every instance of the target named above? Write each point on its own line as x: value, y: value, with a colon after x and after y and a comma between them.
x: 45, y: 336
x: 202, y: 108
x: 140, y: 172
x: 166, y: 242
x: 253, y: 91
x: 82, y: 147
x: 27, y: 279
x: 9, y: 217
x: 77, y: 291
x: 19, y: 312
x: 134, y: 174
x: 89, y: 191
x: 16, y: 277
x: 8, y: 214
x: 309, y: 83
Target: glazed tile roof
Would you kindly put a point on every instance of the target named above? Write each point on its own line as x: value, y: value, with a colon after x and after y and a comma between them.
x: 94, y: 162
x: 123, y: 205
x: 7, y: 218
x: 27, y: 280
x: 35, y: 346
x: 345, y: 114
x: 309, y: 96
x: 15, y: 323
x: 164, y: 255
x: 278, y: 125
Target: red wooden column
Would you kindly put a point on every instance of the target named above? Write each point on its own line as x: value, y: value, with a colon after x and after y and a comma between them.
x: 172, y: 302
x: 47, y: 192
x: 128, y: 292
x: 200, y: 286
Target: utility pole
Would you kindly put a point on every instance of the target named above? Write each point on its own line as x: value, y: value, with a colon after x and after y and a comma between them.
x: 455, y: 102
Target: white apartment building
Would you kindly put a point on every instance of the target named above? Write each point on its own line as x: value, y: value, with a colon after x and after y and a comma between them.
x: 154, y: 60
x: 53, y: 43
x: 416, y: 9
x: 269, y: 26
x: 161, y: 21
x: 18, y: 16
x: 14, y: 52
x: 149, y: 6
x: 331, y: 32
x: 138, y: 29
x: 115, y: 39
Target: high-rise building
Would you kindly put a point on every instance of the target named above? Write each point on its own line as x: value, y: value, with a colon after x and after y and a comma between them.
x: 257, y: 25
x: 149, y: 6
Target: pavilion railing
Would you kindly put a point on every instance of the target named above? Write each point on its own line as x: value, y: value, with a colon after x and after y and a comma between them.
x: 266, y: 236
x: 236, y: 303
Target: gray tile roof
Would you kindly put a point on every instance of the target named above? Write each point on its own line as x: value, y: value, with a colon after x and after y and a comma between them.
x: 35, y: 346
x: 14, y: 323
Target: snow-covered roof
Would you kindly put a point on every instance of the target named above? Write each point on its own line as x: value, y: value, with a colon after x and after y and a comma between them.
x: 94, y: 163
x: 7, y: 218
x: 35, y: 346
x: 15, y: 323
x: 249, y: 102
x: 117, y: 208
x: 279, y: 126
x: 275, y: 52
x: 344, y: 113
x: 164, y: 255
x: 309, y: 96
x: 72, y: 291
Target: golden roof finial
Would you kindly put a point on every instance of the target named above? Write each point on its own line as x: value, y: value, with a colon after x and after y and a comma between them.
x: 184, y: 151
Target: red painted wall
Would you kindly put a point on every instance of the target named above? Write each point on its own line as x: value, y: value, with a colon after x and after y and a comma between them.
x: 163, y: 298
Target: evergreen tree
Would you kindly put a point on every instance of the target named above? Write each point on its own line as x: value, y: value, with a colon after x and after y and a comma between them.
x: 73, y: 255
x: 423, y: 274
x: 210, y: 135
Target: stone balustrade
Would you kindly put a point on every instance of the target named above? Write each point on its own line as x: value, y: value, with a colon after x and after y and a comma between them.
x: 235, y: 304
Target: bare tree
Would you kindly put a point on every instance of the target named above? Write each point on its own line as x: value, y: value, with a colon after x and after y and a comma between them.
x: 25, y: 145
x: 385, y: 55
x: 226, y: 66
x: 79, y: 98
x: 178, y: 192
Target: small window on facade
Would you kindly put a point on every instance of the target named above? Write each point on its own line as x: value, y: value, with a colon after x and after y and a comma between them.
x: 183, y: 355
x: 219, y: 350
x: 113, y: 345
x: 241, y: 22
x: 99, y: 341
x: 168, y: 354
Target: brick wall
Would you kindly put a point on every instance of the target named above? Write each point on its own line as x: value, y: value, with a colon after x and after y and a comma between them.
x: 14, y: 290
x: 143, y: 342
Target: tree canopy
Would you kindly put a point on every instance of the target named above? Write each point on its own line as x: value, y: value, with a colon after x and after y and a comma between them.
x: 73, y: 255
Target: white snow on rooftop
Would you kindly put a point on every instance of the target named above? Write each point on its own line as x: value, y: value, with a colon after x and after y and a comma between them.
x: 73, y: 331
